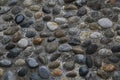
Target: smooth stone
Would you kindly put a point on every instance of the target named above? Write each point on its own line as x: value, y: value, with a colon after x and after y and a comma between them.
x: 105, y: 23
x: 22, y: 72
x: 70, y: 65
x: 89, y: 61
x: 105, y: 40
x: 55, y: 56
x: 27, y: 2
x: 28, y: 51
x: 91, y: 49
x: 74, y: 41
x: 45, y: 34
x: 80, y: 59
x: 46, y: 10
x: 9, y: 75
x: 51, y: 3
x: 12, y: 2
x: 43, y: 59
x: 54, y: 65
x: 32, y: 63
x: 86, y: 43
x: 56, y: 72
x: 28, y: 13
x: 59, y: 33
x: 44, y: 72
x: 34, y: 76
x: 7, y: 17
x: 80, y: 3
x: 71, y: 74
x: 51, y: 47
x: 37, y: 41
x: 73, y: 19
x: 5, y: 63
x: 10, y: 46
x: 97, y: 62
x: 95, y: 35
x: 30, y: 34
x: 19, y: 18
x: 74, y: 31
x: 113, y: 59
x: 14, y: 52
x: 108, y: 67
x: 5, y: 40
x: 16, y: 37
x: 47, y: 18
x: 104, y: 52
x: 38, y: 49
x: 60, y: 20
x: 35, y: 8
x: 23, y: 43
x: 16, y: 9
x: 19, y: 62
x: 82, y: 11
x: 52, y: 26
x: 39, y: 26
x: 11, y: 30
x: 37, y: 15
x: 63, y: 40
x: 109, y: 33
x: 83, y: 71
x: 56, y: 10
x: 102, y: 74
x: 78, y: 50
x: 51, y: 39
x: 70, y: 7
x: 90, y: 20
x: 65, y: 48
x: 115, y: 48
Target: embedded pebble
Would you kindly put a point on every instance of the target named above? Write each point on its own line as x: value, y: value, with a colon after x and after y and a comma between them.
x: 23, y: 43
x: 32, y: 63
x: 52, y: 26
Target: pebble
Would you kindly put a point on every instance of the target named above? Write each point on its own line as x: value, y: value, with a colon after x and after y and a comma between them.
x: 22, y: 72
x: 23, y: 43
x: 37, y: 41
x: 38, y: 15
x: 52, y: 26
x: 1, y: 72
x: 20, y: 62
x: 35, y: 8
x: 19, y: 18
x: 102, y: 74
x: 71, y: 74
x: 43, y: 59
x: 59, y: 33
x: 56, y: 72
x: 70, y: 7
x: 82, y: 11
x: 115, y: 48
x: 104, y: 52
x: 54, y: 65
x: 60, y: 20
x: 97, y: 62
x: 16, y: 37
x: 80, y: 59
x: 91, y: 49
x: 12, y: 2
x: 89, y: 61
x: 44, y: 72
x: 108, y: 67
x: 78, y: 50
x: 86, y: 43
x: 13, y: 53
x: 69, y: 65
x: 109, y: 33
x: 27, y: 2
x: 10, y: 46
x: 34, y: 76
x: 80, y: 3
x: 114, y: 59
x: 11, y: 30
x: 9, y: 75
x: 5, y: 63
x: 105, y: 40
x: 39, y: 26
x: 68, y: 1
x: 116, y: 75
x: 30, y: 34
x: 47, y: 18
x: 95, y: 35
x: 105, y: 23
x: 46, y: 10
x: 32, y: 63
x: 7, y: 17
x: 56, y: 10
x: 65, y: 48
x: 51, y: 47
x: 15, y: 10
x: 28, y: 13
x: 83, y: 71
x: 51, y: 39
x: 55, y: 56
x: 5, y: 40
x: 74, y: 41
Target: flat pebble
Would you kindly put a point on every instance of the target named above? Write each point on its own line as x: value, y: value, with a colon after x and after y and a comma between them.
x: 32, y: 63
x: 23, y: 43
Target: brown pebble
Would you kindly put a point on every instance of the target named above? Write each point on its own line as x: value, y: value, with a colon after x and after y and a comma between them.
x: 108, y: 67
x: 54, y: 65
x: 59, y: 33
x: 78, y: 50
x: 56, y: 72
x: 16, y: 37
x: 38, y: 15
x: 1, y: 72
x: 71, y: 74
x: 37, y: 41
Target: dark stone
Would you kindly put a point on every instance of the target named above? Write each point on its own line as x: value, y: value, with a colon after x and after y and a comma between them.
x: 10, y: 46
x: 74, y: 41
x: 55, y: 56
x: 30, y: 34
x: 68, y: 1
x: 118, y: 32
x: 86, y: 43
x: 83, y: 71
x: 56, y: 10
x: 22, y: 72
x: 5, y: 40
x: 97, y: 62
x: 80, y: 3
x: 34, y: 76
x: 47, y: 18
x: 19, y: 18
x: 115, y: 48
x: 46, y: 10
x: 50, y: 39
x: 82, y: 11
x: 14, y: 52
x: 89, y: 61
x: 105, y: 40
x: 71, y: 74
x: 114, y: 59
x: 91, y: 49
x: 15, y: 10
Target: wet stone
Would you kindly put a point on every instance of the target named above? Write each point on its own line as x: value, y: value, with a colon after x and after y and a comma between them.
x: 5, y: 63
x: 114, y: 59
x: 44, y: 72
x: 32, y: 63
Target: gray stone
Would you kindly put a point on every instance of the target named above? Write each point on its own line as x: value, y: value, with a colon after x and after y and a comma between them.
x: 64, y: 48
x: 32, y: 63
x: 9, y: 76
